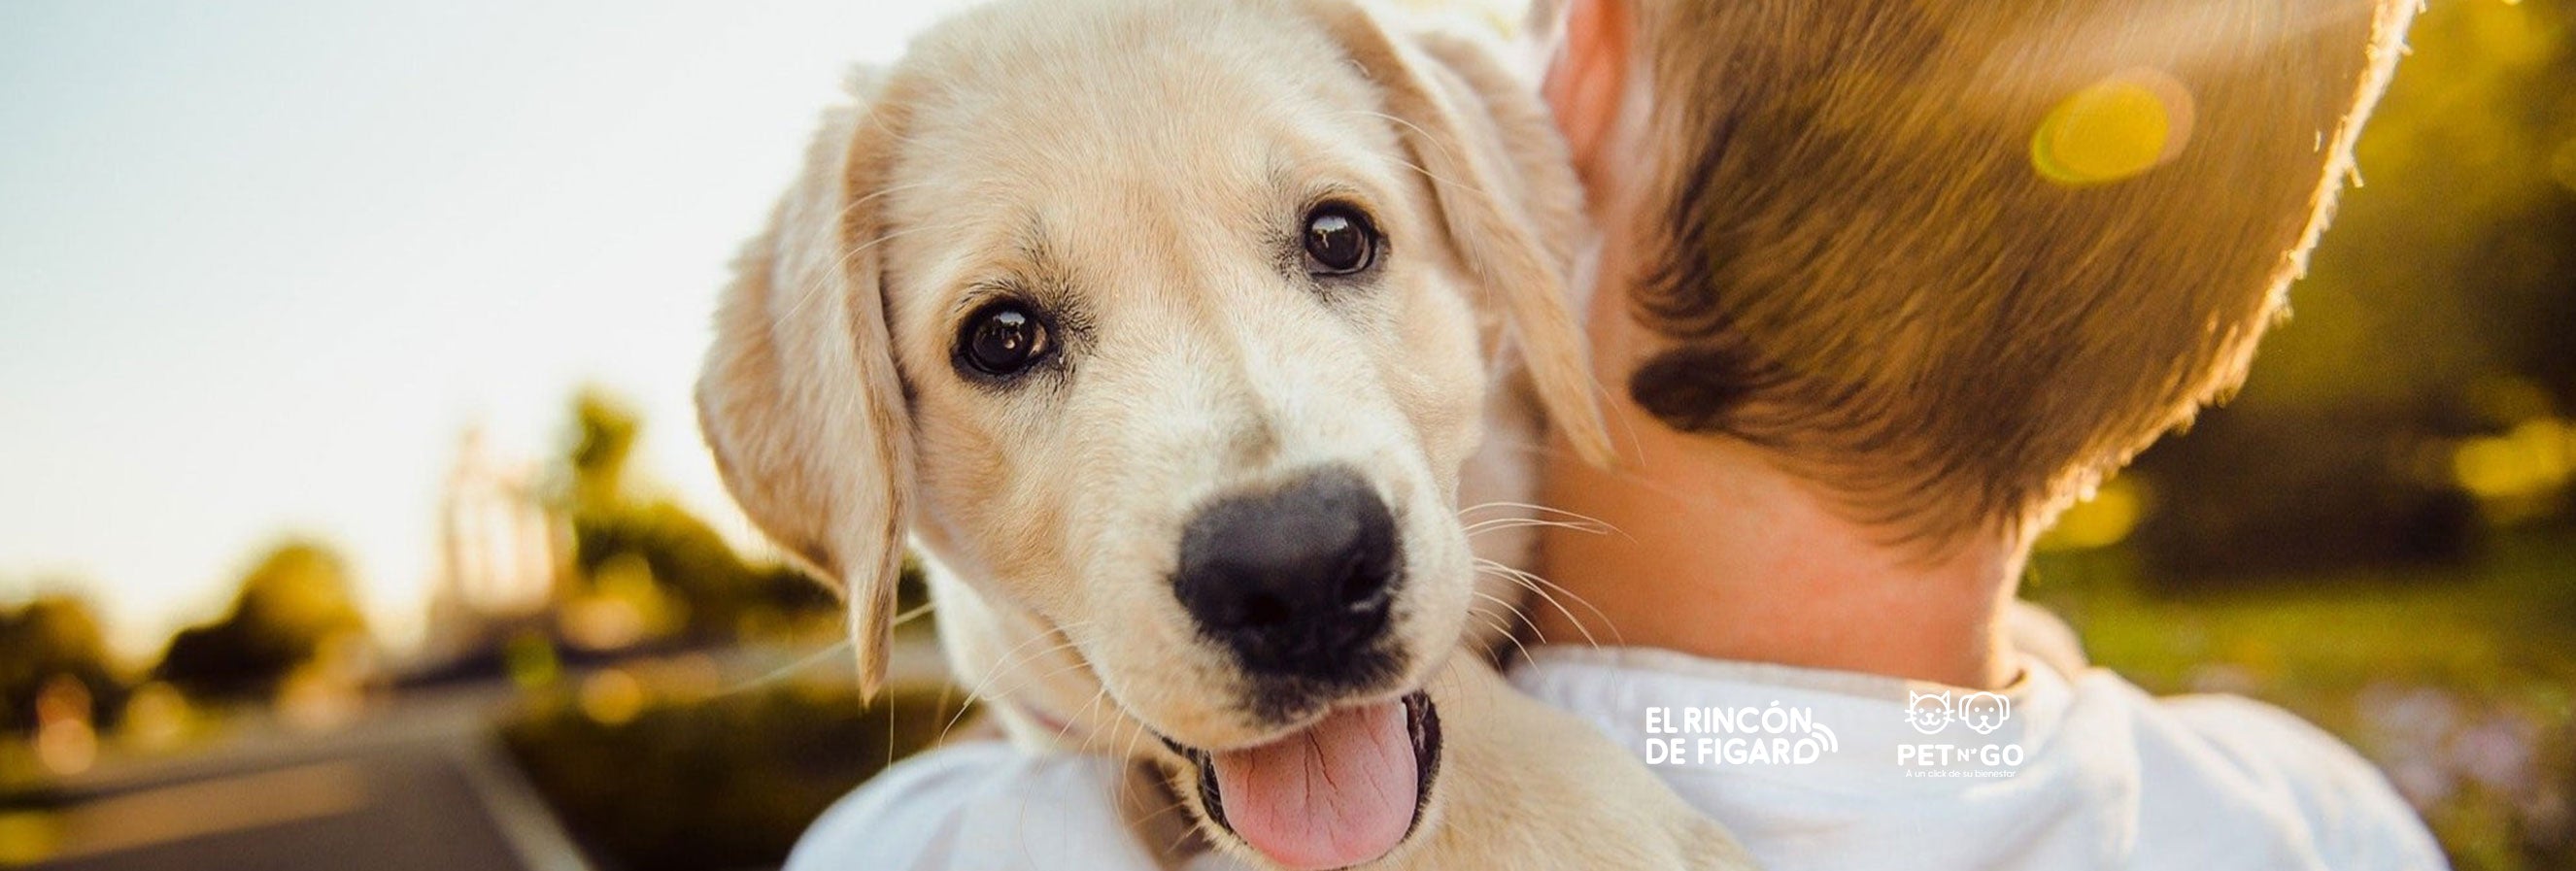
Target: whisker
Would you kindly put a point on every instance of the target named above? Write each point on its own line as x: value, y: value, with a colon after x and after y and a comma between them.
x: 1502, y: 523
x: 1570, y: 593
x: 802, y: 663
x: 1005, y: 666
x: 1560, y: 608
x: 1545, y: 509
x: 1534, y: 583
x: 1501, y: 626
x: 1080, y: 713
x: 1606, y: 622
x: 914, y: 614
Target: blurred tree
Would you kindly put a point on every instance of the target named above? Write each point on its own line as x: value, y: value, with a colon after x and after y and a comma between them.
x: 2441, y: 306
x: 604, y: 431
x: 46, y: 639
x: 2453, y: 264
x: 716, y: 590
x: 293, y: 603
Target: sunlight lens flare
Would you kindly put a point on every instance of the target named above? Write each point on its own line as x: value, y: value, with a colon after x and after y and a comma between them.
x: 2113, y: 129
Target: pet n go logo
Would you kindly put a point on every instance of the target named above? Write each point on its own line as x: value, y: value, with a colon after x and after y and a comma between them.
x: 1976, y: 714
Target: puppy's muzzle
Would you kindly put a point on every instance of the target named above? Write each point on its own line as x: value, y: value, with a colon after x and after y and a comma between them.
x: 1296, y: 581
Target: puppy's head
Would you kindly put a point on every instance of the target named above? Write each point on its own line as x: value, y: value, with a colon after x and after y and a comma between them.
x: 1168, y: 322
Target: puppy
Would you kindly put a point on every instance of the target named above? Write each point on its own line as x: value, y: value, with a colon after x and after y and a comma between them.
x: 1165, y: 329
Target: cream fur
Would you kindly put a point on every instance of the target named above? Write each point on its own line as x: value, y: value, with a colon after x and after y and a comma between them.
x: 1138, y: 164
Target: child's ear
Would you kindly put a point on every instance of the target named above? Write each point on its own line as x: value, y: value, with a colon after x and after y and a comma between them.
x: 1587, y: 77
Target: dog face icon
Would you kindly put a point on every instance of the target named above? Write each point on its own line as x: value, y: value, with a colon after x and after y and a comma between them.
x: 1984, y: 712
x: 1928, y: 712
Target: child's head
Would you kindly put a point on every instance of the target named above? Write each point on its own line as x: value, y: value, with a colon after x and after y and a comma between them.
x: 1957, y: 264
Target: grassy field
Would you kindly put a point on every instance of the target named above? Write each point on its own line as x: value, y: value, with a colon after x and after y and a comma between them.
x: 2458, y: 681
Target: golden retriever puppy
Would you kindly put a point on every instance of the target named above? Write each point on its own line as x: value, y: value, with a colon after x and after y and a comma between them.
x: 1165, y: 330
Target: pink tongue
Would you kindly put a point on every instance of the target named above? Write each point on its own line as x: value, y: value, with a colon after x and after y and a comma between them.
x: 1335, y: 795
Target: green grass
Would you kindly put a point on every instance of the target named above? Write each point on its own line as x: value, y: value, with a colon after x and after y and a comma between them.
x: 2456, y: 680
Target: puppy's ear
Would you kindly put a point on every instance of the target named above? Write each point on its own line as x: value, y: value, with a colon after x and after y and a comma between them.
x: 1506, y: 191
x: 800, y: 401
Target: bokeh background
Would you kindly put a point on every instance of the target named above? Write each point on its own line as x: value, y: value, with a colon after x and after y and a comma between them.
x: 460, y: 592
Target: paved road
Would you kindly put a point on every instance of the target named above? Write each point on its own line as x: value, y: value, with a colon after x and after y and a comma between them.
x: 395, y: 810
x: 417, y: 787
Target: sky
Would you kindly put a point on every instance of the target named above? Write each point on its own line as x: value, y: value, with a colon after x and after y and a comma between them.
x: 262, y: 262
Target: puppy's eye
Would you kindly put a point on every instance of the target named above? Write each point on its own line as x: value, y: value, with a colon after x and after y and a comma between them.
x: 1339, y: 240
x: 1003, y: 339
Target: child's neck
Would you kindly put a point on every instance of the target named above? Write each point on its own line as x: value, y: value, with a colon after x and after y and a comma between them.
x: 1715, y: 553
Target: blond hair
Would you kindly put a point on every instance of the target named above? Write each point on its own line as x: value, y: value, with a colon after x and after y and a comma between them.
x: 1885, y: 245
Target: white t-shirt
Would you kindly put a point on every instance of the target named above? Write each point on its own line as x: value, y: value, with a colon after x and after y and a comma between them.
x: 1811, y: 769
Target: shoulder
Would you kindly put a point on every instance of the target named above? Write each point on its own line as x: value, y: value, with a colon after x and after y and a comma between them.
x: 983, y: 805
x: 2353, y: 817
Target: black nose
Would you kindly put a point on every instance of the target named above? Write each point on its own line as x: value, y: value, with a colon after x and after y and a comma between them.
x: 1296, y: 581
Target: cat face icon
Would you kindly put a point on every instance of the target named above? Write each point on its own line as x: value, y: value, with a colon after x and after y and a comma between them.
x: 1984, y: 712
x: 1928, y: 712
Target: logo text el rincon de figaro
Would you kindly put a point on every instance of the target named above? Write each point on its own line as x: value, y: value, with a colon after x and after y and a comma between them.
x: 1736, y: 736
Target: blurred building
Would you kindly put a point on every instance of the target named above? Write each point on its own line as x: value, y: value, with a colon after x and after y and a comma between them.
x: 502, y: 553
